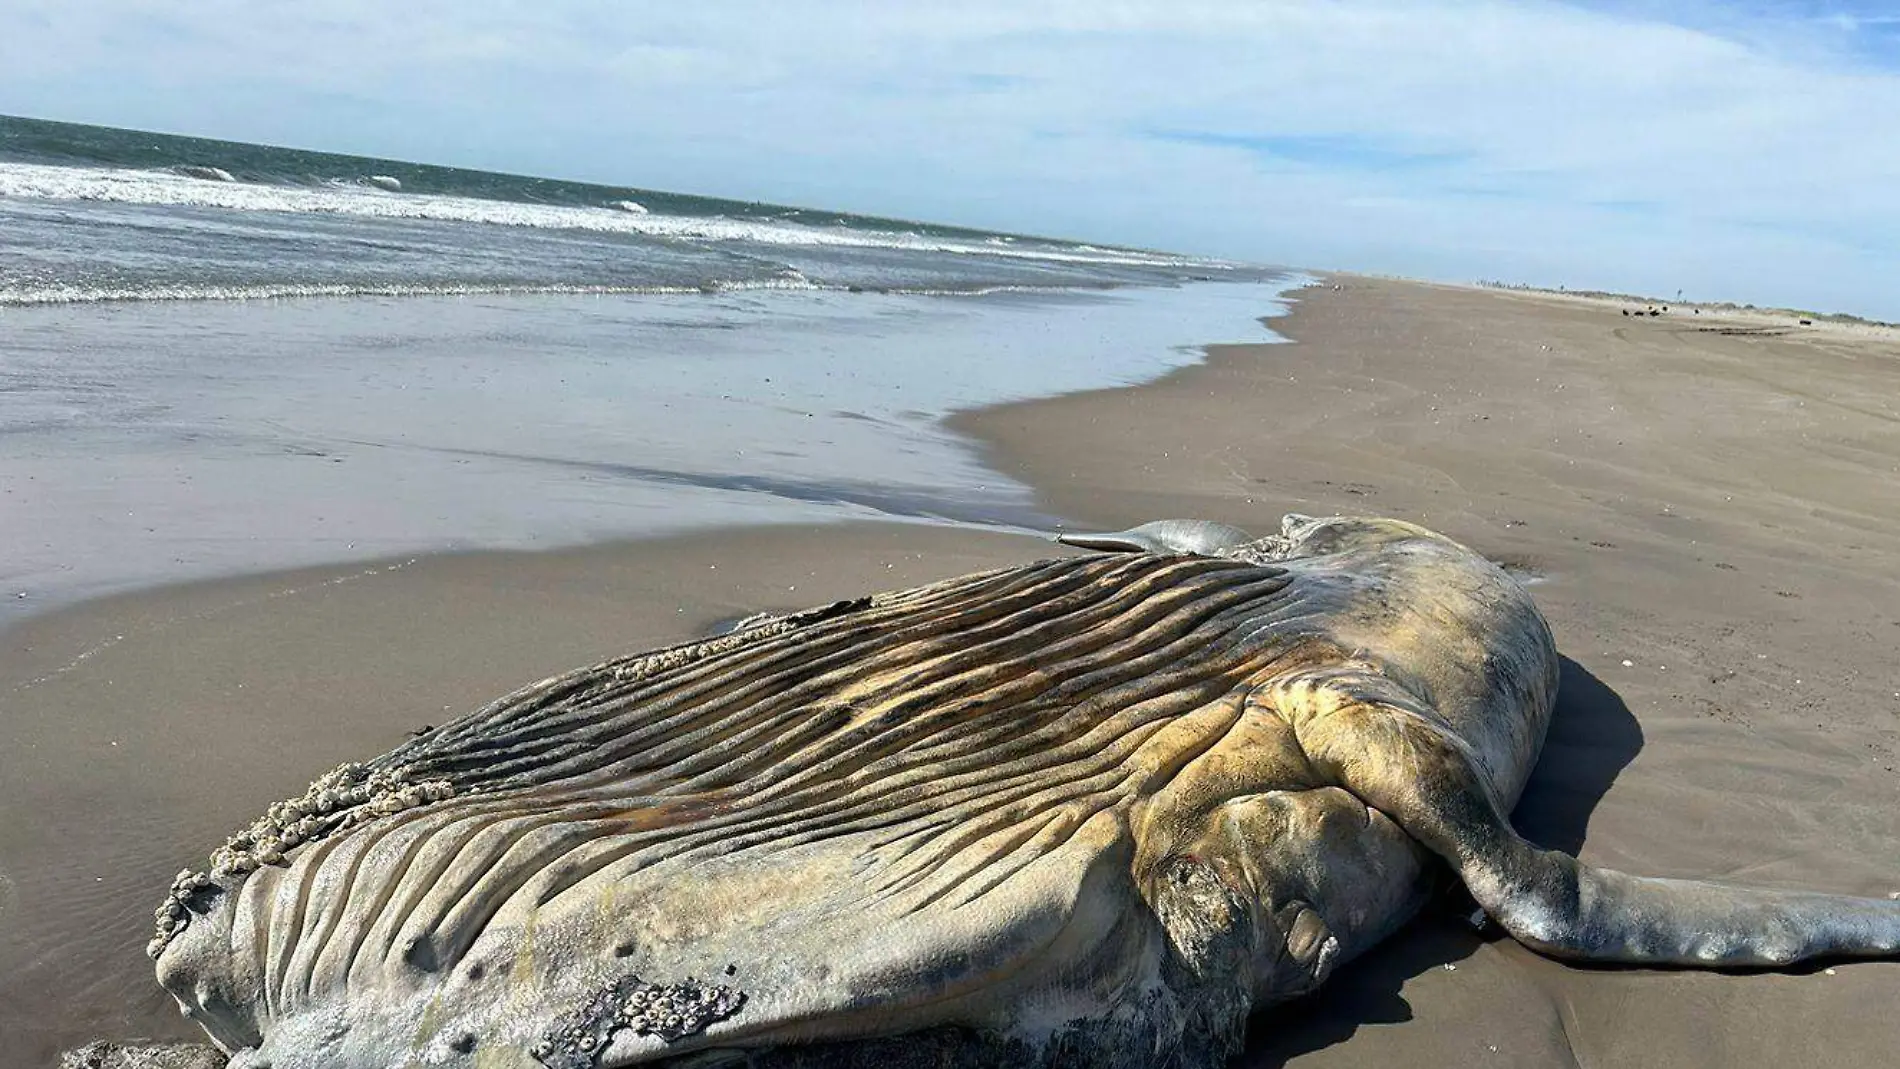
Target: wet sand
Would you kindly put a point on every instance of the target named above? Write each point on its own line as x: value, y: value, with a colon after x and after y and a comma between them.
x: 1716, y: 510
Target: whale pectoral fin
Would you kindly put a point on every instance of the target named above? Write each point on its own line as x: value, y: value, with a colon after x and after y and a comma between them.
x: 1398, y: 759
x: 1113, y: 542
x: 1204, y: 537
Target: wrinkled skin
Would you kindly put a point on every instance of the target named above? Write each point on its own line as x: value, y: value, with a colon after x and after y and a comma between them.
x: 1089, y: 812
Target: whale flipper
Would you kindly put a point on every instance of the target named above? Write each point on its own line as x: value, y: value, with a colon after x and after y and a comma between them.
x: 1203, y: 537
x: 1392, y: 752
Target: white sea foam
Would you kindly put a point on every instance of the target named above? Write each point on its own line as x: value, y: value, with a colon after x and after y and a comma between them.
x: 383, y: 181
x: 788, y: 279
x: 633, y: 206
x: 30, y: 296
x: 167, y: 188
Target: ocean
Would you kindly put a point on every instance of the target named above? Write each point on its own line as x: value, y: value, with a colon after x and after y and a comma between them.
x: 220, y: 358
x: 91, y: 214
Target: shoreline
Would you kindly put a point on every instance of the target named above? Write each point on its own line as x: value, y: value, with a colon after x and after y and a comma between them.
x: 342, y: 650
x: 1705, y: 512
x: 158, y: 444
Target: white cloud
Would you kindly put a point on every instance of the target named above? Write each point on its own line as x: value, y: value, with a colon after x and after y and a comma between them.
x: 1655, y: 146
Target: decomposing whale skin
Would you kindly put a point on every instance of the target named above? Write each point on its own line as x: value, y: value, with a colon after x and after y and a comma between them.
x: 1085, y: 812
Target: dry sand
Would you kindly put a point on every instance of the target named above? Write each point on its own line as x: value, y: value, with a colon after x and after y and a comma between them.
x: 1712, y: 518
x: 1716, y: 518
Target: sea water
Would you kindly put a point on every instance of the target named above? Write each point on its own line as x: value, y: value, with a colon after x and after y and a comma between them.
x: 218, y: 358
x: 91, y: 214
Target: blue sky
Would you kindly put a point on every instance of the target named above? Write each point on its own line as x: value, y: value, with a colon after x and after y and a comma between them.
x: 1746, y: 150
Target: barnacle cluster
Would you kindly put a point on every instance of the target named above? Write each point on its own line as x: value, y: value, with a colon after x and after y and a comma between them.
x: 669, y: 1011
x: 344, y: 797
x: 1266, y: 550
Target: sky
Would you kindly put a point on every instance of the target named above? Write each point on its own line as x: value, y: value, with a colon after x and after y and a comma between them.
x: 1745, y: 151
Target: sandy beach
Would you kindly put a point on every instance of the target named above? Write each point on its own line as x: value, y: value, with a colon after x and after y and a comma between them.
x: 1711, y: 517
x: 1708, y: 516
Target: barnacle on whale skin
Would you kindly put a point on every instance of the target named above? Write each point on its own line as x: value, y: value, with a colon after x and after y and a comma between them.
x: 341, y: 798
x: 669, y: 1011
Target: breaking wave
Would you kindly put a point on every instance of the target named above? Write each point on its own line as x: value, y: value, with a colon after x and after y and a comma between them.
x: 169, y: 188
x: 93, y: 214
x: 209, y: 174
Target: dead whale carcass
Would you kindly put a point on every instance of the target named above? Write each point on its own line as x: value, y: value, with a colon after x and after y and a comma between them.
x: 1089, y: 811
